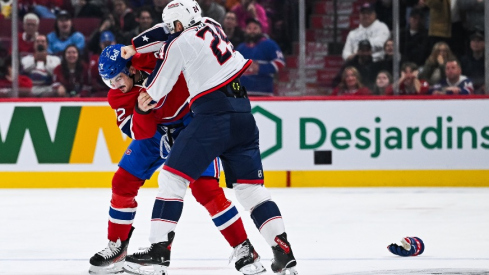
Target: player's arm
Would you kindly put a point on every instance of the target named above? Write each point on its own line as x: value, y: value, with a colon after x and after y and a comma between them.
x: 144, y: 122
x: 150, y: 40
x: 166, y: 71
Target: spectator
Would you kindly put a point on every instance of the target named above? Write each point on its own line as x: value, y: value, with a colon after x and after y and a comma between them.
x: 25, y: 84
x: 231, y: 4
x: 413, y: 40
x: 64, y: 34
x: 231, y: 29
x: 46, y: 8
x: 370, y: 29
x: 107, y: 24
x: 434, y: 67
x: 364, y: 64
x: 89, y: 8
x: 27, y: 38
x: 455, y: 82
x: 250, y: 9
x: 213, y: 10
x: 351, y: 84
x: 40, y: 67
x: 383, y: 83
x: 99, y: 89
x: 409, y: 84
x: 473, y: 64
x: 158, y: 6
x: 123, y: 16
x: 145, y: 21
x: 440, y: 21
x: 386, y: 63
x: 71, y: 76
x: 267, y: 60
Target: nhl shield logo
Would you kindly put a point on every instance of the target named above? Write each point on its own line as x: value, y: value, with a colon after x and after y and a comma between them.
x: 128, y: 152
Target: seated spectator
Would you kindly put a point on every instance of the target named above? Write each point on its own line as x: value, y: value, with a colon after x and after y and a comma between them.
x: 25, y: 84
x: 370, y: 29
x: 364, y: 64
x: 386, y: 63
x: 231, y: 29
x: 351, y: 84
x: 64, y: 34
x: 27, y: 38
x: 40, y: 67
x: 71, y: 76
x: 413, y: 40
x: 213, y: 10
x: 474, y: 18
x: 250, y: 9
x: 89, y: 8
x: 383, y: 83
x: 473, y: 64
x: 99, y: 89
x: 145, y: 21
x: 434, y: 67
x: 409, y: 84
x: 123, y: 16
x: 46, y: 8
x: 267, y: 60
x: 455, y: 82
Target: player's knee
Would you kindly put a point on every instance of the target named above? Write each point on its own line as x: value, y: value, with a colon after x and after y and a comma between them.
x: 251, y: 195
x: 205, y: 189
x: 125, y: 184
x: 119, y: 201
x: 171, y: 185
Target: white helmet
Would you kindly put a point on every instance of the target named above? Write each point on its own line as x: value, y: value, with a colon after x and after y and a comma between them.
x: 188, y: 12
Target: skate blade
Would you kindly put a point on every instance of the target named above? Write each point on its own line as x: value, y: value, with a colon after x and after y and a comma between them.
x: 110, y: 269
x: 138, y: 269
x: 288, y: 271
x: 253, y: 269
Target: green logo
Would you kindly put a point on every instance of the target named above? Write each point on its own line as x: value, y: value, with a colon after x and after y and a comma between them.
x: 278, y: 130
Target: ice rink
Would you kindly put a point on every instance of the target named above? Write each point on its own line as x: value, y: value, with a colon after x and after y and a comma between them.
x: 332, y: 231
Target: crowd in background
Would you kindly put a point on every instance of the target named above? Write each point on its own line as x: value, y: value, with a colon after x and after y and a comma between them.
x: 441, y: 44
x: 64, y: 62
x: 441, y: 49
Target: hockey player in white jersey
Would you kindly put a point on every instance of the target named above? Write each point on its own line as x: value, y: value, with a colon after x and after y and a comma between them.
x: 222, y: 125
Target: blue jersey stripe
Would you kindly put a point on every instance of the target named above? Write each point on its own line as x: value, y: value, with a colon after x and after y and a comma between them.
x: 119, y: 215
x: 225, y: 217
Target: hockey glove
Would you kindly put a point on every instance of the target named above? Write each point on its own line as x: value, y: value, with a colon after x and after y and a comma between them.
x: 411, y: 246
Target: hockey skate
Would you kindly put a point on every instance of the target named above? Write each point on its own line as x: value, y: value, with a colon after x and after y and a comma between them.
x: 247, y: 260
x: 284, y: 261
x: 153, y: 260
x: 111, y: 259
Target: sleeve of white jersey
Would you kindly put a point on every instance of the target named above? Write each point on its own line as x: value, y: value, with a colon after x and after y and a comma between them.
x: 166, y: 72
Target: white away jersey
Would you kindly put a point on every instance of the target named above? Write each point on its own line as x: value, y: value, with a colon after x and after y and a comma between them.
x: 204, y: 55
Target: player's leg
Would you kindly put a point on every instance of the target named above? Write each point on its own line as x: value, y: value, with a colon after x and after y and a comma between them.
x: 138, y: 163
x: 243, y: 168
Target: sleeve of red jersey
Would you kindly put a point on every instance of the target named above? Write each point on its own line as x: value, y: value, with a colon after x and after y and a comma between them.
x: 143, y: 124
x: 145, y: 62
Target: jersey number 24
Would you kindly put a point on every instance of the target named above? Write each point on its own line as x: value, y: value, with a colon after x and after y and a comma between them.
x: 217, y: 39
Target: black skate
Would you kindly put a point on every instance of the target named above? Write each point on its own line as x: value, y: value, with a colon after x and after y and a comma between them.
x: 284, y: 259
x: 247, y: 260
x: 153, y: 260
x: 111, y: 259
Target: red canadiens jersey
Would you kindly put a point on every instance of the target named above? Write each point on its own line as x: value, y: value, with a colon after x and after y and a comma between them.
x: 169, y: 110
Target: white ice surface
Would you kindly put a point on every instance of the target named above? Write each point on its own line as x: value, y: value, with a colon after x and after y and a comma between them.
x: 332, y: 231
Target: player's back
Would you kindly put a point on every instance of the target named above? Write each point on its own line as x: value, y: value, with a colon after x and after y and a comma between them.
x: 208, y: 56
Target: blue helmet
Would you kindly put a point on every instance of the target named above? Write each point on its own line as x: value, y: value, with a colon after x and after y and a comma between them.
x: 111, y: 63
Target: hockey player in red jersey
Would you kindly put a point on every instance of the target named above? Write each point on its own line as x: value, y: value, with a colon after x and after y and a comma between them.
x: 202, y: 52
x: 153, y: 134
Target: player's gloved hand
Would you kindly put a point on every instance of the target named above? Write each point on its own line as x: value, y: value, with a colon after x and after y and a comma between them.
x: 411, y: 246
